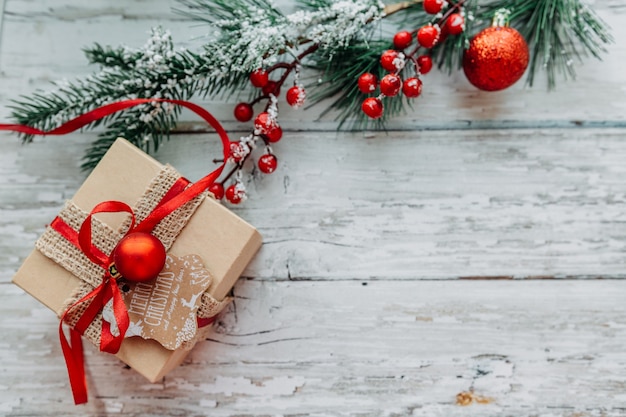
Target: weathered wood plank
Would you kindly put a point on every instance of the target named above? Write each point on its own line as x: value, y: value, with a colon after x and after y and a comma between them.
x: 347, y: 315
x: 412, y: 205
x: 538, y: 348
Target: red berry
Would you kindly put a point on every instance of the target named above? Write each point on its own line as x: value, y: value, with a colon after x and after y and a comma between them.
x: 238, y: 151
x: 392, y: 60
x: 263, y: 122
x: 267, y: 163
x: 455, y: 24
x: 433, y: 6
x: 402, y: 39
x: 425, y: 63
x: 295, y: 96
x: 259, y: 78
x: 373, y: 107
x: 271, y: 87
x: 274, y: 134
x: 217, y: 189
x: 235, y: 193
x: 367, y: 83
x: 243, y: 112
x: 412, y: 87
x: 428, y: 35
x: 390, y: 85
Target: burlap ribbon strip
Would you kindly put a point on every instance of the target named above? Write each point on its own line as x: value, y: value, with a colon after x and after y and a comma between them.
x: 53, y: 245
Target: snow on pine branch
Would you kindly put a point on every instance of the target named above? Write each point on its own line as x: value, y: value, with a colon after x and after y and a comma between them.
x: 260, y: 37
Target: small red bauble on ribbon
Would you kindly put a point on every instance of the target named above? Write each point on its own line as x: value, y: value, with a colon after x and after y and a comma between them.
x: 139, y: 257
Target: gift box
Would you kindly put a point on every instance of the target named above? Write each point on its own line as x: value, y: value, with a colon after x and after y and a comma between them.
x: 204, y: 239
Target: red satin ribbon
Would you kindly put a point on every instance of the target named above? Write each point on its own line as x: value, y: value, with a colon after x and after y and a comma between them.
x: 108, y: 290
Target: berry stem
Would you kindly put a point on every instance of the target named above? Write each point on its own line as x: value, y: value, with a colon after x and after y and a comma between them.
x: 454, y: 8
x: 296, y: 61
x: 258, y: 99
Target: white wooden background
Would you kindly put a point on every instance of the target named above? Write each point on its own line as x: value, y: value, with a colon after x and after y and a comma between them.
x: 479, y: 247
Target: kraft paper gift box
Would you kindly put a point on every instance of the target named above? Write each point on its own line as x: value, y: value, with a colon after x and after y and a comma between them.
x: 224, y: 243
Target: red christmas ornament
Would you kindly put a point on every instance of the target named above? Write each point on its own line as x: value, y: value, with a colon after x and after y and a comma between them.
x: 402, y: 40
x: 367, y: 83
x: 372, y: 107
x: 268, y: 163
x: 433, y: 6
x: 392, y: 60
x: 425, y: 64
x: 412, y: 87
x: 259, y: 78
x: 295, y: 96
x: 428, y: 35
x: 235, y: 193
x: 271, y: 87
x: 274, y: 134
x: 390, y: 85
x: 217, y: 189
x: 243, y: 112
x: 139, y: 257
x: 455, y: 24
x: 496, y: 59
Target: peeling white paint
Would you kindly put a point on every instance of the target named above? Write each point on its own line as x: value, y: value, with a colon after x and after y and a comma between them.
x: 395, y: 211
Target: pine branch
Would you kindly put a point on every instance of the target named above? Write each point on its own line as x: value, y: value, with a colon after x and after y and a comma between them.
x: 337, y: 36
x: 558, y: 31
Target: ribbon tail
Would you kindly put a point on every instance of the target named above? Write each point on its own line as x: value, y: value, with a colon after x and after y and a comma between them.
x: 73, y: 353
x: 73, y: 350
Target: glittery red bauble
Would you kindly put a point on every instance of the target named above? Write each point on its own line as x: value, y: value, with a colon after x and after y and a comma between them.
x: 217, y: 189
x: 390, y: 85
x: 367, y: 83
x: 268, y: 163
x: 412, y: 87
x: 373, y: 107
x: 139, y: 257
x: 496, y: 59
x: 259, y: 78
x: 402, y: 40
x: 295, y: 96
x: 243, y: 112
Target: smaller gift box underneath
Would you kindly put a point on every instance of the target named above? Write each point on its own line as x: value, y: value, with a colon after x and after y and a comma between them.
x: 213, y: 247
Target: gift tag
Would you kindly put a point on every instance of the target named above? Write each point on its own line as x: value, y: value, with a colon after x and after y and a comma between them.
x: 165, y: 309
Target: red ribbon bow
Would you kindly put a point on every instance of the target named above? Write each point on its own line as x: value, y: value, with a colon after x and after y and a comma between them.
x: 108, y: 290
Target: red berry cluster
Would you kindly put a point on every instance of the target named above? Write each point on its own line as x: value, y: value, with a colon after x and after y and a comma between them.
x: 266, y: 129
x: 395, y: 60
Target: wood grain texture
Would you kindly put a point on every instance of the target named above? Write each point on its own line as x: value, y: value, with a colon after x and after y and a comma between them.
x: 370, y: 295
x: 532, y: 348
x: 433, y: 205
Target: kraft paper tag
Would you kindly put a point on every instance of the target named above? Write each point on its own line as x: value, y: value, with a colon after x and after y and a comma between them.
x: 165, y: 309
